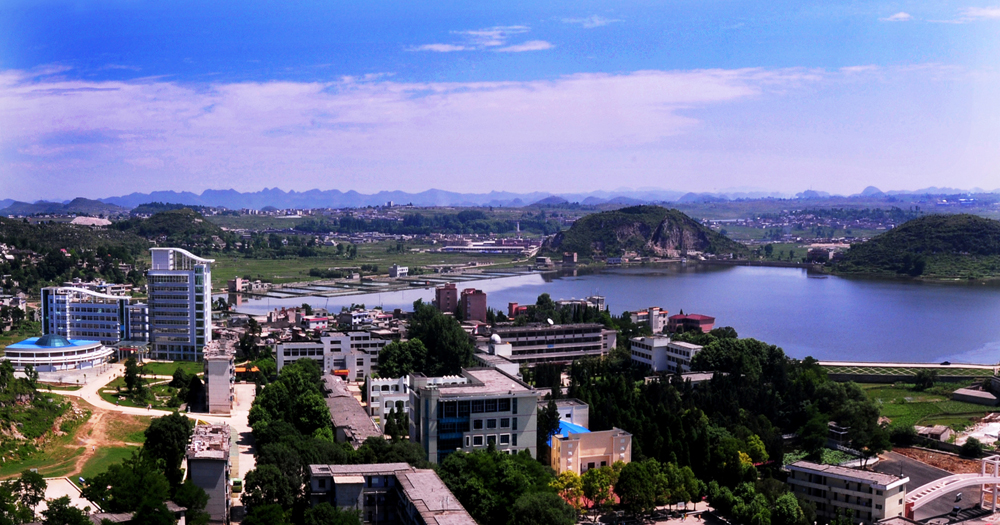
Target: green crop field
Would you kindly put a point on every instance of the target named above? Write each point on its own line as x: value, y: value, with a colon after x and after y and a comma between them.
x: 168, y: 369
x: 907, y: 407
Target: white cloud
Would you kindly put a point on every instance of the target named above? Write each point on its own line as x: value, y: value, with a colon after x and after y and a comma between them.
x: 898, y: 17
x: 531, y: 45
x: 591, y: 21
x: 440, y: 48
x: 981, y: 13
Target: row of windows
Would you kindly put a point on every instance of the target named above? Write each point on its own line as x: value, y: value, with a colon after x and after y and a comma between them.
x: 491, y: 439
x: 542, y: 342
x: 505, y: 422
x: 167, y: 278
x: 557, y: 350
x: 477, y: 406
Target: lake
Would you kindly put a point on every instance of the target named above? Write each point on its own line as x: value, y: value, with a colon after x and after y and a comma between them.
x: 807, y: 314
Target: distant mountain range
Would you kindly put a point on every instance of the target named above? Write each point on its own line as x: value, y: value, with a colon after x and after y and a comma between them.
x: 277, y: 198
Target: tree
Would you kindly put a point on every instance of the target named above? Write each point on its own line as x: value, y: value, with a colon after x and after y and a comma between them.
x: 30, y: 489
x: 570, y: 488
x: 124, y: 486
x: 152, y: 512
x: 636, y: 487
x: 541, y: 508
x: 180, y: 378
x: 548, y: 426
x: 193, y: 498
x: 167, y: 439
x: 31, y: 374
x: 786, y: 511
x: 60, y: 512
x: 448, y: 346
x: 972, y: 448
x: 398, y: 359
x: 266, y: 485
x: 925, y: 379
x: 326, y: 514
x: 133, y: 381
x: 597, y: 484
x: 266, y: 515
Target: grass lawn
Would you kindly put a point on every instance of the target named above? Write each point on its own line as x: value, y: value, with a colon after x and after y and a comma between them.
x: 58, y: 459
x: 907, y: 407
x: 168, y: 369
x: 103, y: 458
x: 129, y: 429
x: 46, y: 386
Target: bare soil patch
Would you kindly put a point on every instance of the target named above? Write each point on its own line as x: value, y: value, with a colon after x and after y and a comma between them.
x: 953, y: 464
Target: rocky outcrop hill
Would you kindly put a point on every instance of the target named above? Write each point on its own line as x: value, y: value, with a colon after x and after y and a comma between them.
x: 646, y: 230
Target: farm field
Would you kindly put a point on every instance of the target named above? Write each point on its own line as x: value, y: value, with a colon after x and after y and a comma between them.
x: 944, y: 371
x: 907, y: 407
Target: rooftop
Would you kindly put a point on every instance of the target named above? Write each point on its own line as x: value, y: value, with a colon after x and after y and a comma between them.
x: 854, y: 474
x: 486, y: 381
x: 209, y: 442
x: 689, y: 346
x: 432, y: 499
x: 375, y: 469
x: 50, y: 341
x: 347, y: 413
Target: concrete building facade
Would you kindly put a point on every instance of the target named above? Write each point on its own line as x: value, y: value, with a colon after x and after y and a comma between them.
x: 661, y: 354
x: 576, y: 449
x: 543, y: 343
x: 654, y: 317
x: 220, y: 375
x: 685, y: 323
x: 209, y: 468
x: 871, y: 496
x: 483, y: 406
x: 352, y: 355
x: 52, y: 352
x: 446, y: 298
x: 387, y: 493
x: 472, y: 305
x: 180, y: 304
x: 386, y: 394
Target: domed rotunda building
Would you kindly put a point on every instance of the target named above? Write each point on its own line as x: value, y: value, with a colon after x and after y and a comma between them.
x: 52, y: 352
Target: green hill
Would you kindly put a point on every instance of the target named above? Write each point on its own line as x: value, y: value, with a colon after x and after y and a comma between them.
x: 647, y: 230
x: 184, y: 224
x: 44, y: 237
x: 78, y: 206
x: 935, y: 246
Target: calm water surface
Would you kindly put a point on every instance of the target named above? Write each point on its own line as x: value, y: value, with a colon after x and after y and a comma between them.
x: 829, y: 318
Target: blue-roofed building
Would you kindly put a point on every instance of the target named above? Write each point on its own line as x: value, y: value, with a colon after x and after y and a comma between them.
x: 576, y: 448
x: 53, y: 352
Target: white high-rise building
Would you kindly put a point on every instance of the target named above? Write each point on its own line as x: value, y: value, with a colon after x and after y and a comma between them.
x: 180, y: 304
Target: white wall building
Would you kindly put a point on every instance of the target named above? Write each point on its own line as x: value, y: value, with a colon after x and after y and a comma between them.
x: 663, y: 355
x: 353, y: 355
x: 396, y: 271
x: 180, y: 304
x: 870, y: 496
x: 385, y: 394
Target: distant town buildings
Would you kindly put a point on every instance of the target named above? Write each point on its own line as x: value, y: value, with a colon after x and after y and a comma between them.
x: 208, y: 467
x: 481, y: 407
x: 84, y: 314
x: 661, y: 354
x: 472, y: 305
x: 561, y: 343
x: 396, y: 271
x: 446, y: 298
x: 387, y: 493
x: 686, y: 323
x: 654, y: 317
x: 180, y: 304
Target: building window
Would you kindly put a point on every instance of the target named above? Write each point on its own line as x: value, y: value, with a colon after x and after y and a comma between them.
x: 513, y: 423
x: 878, y: 507
x: 468, y: 441
x: 477, y: 424
x: 505, y: 439
x: 322, y: 483
x: 505, y: 422
x: 491, y: 439
x: 491, y: 405
x: 477, y: 441
x: 491, y: 423
x: 513, y: 439
x: 463, y: 408
x: 513, y: 405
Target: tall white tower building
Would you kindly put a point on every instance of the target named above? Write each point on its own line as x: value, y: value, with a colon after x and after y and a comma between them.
x: 180, y: 304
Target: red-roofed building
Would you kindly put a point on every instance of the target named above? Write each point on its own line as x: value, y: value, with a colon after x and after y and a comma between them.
x: 684, y: 323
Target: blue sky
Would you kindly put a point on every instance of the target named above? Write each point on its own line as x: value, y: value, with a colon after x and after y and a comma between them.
x: 106, y: 98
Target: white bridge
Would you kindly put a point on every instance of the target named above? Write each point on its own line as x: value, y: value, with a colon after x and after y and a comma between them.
x: 988, y: 479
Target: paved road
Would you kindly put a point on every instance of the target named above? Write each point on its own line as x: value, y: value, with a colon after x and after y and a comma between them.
x: 921, y: 474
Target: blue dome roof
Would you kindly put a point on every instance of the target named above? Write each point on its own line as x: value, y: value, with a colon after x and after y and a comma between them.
x: 52, y: 341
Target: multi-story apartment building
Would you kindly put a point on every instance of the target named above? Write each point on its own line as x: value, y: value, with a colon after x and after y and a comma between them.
x: 446, y: 298
x: 220, y: 374
x: 387, y: 493
x: 86, y: 315
x: 561, y: 343
x: 208, y: 467
x: 654, y: 317
x: 870, y: 496
x: 472, y: 305
x: 180, y: 304
x: 661, y: 354
x: 386, y: 394
x: 685, y: 323
x: 481, y: 407
x: 577, y: 449
x: 352, y: 355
